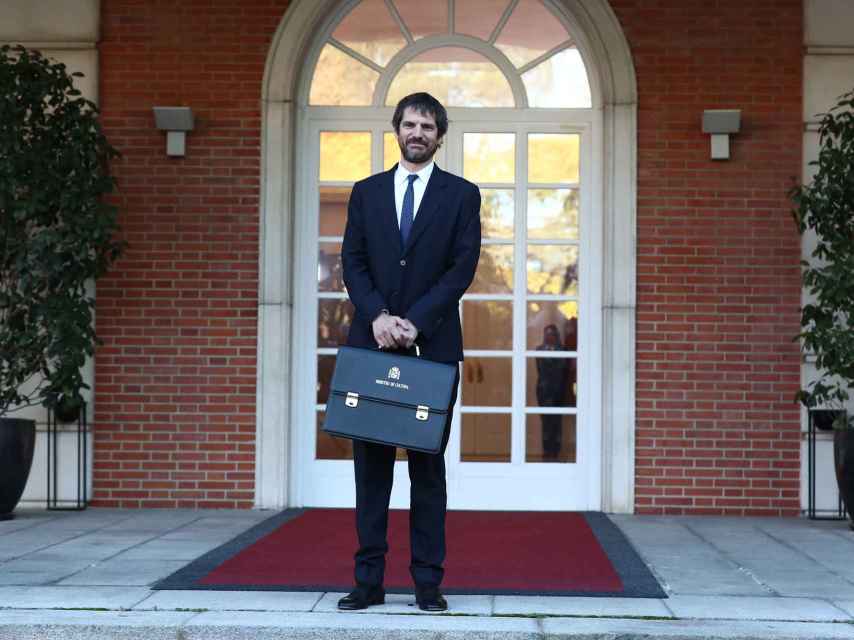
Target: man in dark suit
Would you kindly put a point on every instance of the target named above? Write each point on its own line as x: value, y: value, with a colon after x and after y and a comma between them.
x: 410, y: 251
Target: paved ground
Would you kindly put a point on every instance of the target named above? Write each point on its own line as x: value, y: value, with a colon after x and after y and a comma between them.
x: 81, y: 575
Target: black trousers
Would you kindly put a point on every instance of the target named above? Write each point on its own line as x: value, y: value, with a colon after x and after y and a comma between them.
x: 374, y: 467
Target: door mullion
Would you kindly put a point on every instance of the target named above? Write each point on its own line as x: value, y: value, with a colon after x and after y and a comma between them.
x: 519, y: 308
x: 454, y: 164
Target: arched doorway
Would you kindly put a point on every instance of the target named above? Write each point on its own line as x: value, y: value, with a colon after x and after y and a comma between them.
x: 528, y: 127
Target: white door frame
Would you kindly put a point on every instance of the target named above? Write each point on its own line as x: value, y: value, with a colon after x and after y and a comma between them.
x: 471, y: 485
x: 612, y: 78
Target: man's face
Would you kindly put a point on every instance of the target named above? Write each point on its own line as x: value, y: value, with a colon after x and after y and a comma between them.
x: 418, y: 136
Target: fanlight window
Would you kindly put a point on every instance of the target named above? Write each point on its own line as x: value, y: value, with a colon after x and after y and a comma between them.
x: 468, y: 53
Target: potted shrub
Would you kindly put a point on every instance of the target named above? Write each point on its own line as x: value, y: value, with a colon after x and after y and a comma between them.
x: 57, y: 234
x: 826, y: 206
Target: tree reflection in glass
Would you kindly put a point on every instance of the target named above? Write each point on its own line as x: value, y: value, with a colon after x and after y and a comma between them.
x: 494, y: 270
x: 553, y: 269
x: 496, y: 213
x: 334, y: 318
x: 456, y: 76
x: 553, y: 214
x: 330, y: 273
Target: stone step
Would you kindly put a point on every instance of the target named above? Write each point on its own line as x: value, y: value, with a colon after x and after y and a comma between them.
x: 19, y: 624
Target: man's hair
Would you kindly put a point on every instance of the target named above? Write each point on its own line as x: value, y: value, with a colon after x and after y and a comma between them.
x: 425, y: 104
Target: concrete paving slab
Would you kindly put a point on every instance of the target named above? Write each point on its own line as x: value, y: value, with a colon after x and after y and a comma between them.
x: 31, y: 578
x: 352, y: 626
x: 24, y: 541
x: 684, y: 562
x: 822, y: 545
x: 783, y: 567
x: 91, y: 625
x: 601, y: 629
x: 577, y: 606
x: 230, y: 600
x: 71, y: 597
x: 404, y: 603
x: 165, y: 549
x: 124, y: 572
x: 46, y: 562
x: 84, y: 547
x: 741, y: 608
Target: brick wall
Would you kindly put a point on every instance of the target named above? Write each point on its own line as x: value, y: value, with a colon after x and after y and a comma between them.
x: 718, y: 277
x: 718, y: 288
x: 175, y: 379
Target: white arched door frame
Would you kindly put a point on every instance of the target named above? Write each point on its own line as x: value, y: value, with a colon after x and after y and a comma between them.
x: 612, y: 79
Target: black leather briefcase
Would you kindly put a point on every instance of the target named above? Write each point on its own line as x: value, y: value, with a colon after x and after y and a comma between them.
x: 389, y: 398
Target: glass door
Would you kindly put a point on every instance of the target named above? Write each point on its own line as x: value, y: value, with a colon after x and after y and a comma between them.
x: 519, y: 439
x: 521, y: 442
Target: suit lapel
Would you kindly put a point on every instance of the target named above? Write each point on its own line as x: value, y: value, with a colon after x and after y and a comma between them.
x: 388, y: 209
x: 427, y: 211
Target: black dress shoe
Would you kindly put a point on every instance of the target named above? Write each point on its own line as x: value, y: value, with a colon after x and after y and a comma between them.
x: 430, y: 599
x: 362, y: 597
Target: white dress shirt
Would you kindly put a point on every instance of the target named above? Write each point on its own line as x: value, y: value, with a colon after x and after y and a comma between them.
x: 418, y: 187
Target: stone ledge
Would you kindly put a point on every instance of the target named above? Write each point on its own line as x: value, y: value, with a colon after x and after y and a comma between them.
x: 86, y: 625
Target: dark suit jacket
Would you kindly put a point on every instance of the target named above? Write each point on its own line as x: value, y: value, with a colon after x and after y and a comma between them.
x: 422, y: 281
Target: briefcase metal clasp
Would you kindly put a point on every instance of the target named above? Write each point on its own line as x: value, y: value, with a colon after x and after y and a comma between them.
x: 352, y: 399
x: 422, y: 412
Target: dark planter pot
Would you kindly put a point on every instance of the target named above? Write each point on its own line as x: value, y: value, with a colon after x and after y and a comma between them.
x: 843, y: 459
x: 17, y: 443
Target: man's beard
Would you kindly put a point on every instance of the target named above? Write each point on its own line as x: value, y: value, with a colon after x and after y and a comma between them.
x: 417, y: 156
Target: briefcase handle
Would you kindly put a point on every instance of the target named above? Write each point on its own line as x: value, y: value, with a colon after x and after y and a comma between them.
x: 417, y: 349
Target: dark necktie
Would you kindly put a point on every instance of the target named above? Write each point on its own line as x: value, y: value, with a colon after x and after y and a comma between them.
x: 407, y: 211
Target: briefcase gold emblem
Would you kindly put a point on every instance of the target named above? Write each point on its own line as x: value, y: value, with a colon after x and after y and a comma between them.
x: 394, y: 373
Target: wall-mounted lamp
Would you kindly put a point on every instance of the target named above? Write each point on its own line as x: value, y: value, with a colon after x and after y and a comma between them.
x: 176, y: 121
x: 720, y: 123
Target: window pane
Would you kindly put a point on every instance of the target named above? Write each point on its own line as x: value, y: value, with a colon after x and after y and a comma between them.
x: 325, y: 367
x: 553, y: 157
x: 530, y: 32
x: 553, y: 214
x: 370, y: 30
x: 391, y: 150
x: 563, y: 316
x: 485, y: 437
x: 553, y: 269
x: 494, y: 270
x: 487, y: 382
x: 457, y: 77
x: 330, y: 447
x: 551, y: 382
x: 478, y: 18
x: 345, y: 156
x: 330, y: 273
x: 333, y: 210
x: 488, y: 324
x: 496, y: 213
x: 341, y: 80
x: 559, y: 82
x: 333, y: 321
x: 423, y: 18
x: 489, y: 157
x: 550, y: 438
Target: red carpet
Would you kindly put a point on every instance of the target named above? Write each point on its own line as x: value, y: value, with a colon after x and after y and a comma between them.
x: 487, y: 551
x: 526, y: 553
